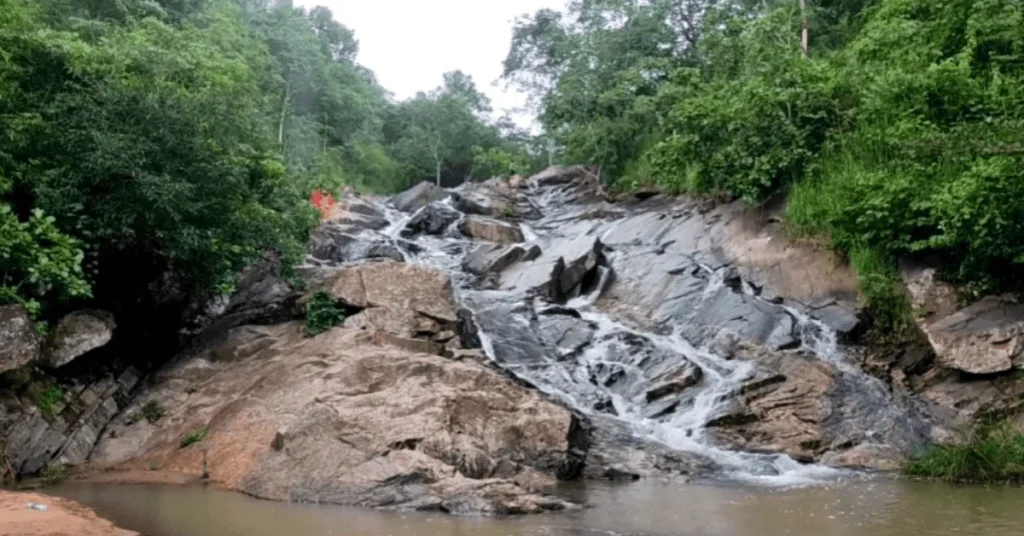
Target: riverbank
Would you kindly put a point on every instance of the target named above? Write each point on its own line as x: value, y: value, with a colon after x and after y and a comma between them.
x: 62, y: 517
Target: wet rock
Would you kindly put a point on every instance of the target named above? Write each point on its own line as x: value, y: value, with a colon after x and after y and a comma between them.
x: 331, y: 243
x: 78, y: 333
x: 396, y: 286
x: 807, y: 408
x: 418, y: 197
x: 566, y: 334
x: 556, y: 273
x: 616, y: 453
x: 494, y: 258
x: 984, y: 338
x: 678, y: 382
x: 367, y: 425
x: 434, y: 219
x: 469, y: 335
x: 491, y: 230
x: 19, y: 344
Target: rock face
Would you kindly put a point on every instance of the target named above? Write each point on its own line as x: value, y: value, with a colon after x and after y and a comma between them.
x: 66, y: 431
x: 340, y: 420
x: 985, y: 338
x: 491, y: 230
x: 395, y: 286
x: 78, y: 333
x: 19, y: 344
x: 557, y: 273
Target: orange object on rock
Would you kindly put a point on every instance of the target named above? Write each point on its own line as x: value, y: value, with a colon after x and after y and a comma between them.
x: 324, y: 202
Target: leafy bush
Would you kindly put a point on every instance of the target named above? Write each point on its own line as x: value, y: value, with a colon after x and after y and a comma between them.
x: 322, y: 313
x: 54, y: 474
x: 993, y: 455
x: 899, y: 132
x: 46, y: 396
x: 498, y: 162
x: 193, y: 438
x: 38, y: 261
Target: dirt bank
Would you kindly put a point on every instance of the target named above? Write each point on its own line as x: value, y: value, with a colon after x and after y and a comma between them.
x: 61, y: 518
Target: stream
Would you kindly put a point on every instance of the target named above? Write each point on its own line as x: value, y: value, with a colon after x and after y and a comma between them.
x: 648, y: 508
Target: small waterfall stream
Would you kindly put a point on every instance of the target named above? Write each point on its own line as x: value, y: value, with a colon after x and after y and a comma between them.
x: 605, y: 365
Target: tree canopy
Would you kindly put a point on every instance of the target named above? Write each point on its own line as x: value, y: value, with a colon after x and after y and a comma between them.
x: 150, y: 149
x: 897, y: 133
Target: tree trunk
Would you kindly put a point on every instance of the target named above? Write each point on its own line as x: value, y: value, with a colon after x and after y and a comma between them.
x: 803, y: 34
x: 284, y: 113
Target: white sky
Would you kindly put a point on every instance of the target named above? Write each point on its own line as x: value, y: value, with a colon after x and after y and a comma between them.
x: 409, y: 44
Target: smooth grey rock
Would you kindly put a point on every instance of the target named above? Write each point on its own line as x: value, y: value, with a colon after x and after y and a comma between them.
x: 78, y: 333
x: 418, y: 197
x: 434, y: 219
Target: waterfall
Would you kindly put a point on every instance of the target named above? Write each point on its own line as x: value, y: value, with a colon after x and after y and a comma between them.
x: 599, y: 362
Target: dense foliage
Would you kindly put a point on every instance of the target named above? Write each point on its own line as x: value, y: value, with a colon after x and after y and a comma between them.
x: 149, y: 149
x: 899, y: 132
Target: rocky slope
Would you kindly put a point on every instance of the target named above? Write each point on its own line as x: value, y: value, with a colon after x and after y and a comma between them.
x: 507, y: 334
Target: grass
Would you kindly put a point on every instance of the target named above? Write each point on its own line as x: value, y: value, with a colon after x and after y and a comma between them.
x: 322, y: 313
x: 994, y: 455
x: 46, y: 397
x: 193, y: 438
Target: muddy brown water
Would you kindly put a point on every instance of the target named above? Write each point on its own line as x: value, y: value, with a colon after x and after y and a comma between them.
x: 852, y: 508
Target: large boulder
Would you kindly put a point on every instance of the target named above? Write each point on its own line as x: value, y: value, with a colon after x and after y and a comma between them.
x: 984, y: 338
x: 491, y: 230
x: 433, y: 219
x: 558, y: 272
x: 338, y: 419
x: 418, y: 197
x: 395, y: 286
x: 19, y: 344
x: 494, y: 258
x: 78, y: 333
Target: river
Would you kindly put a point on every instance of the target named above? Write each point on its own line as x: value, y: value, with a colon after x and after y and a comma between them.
x: 879, y: 507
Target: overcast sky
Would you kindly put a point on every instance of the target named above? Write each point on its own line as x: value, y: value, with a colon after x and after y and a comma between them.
x: 409, y: 44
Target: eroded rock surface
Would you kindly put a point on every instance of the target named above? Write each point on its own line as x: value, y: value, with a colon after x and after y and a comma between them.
x: 337, y: 419
x: 19, y: 344
x: 78, y: 333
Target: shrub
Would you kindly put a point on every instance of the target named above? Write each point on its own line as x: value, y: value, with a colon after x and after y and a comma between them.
x: 193, y: 438
x: 54, y: 474
x: 46, y: 397
x: 995, y: 454
x: 322, y: 313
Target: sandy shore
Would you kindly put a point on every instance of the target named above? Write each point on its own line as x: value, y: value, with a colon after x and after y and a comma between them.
x: 61, y: 518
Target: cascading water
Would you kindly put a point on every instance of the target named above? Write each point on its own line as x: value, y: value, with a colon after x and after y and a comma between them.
x: 598, y: 363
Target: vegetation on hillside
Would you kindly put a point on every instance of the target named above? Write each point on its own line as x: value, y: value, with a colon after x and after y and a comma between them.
x: 899, y: 131
x: 150, y: 149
